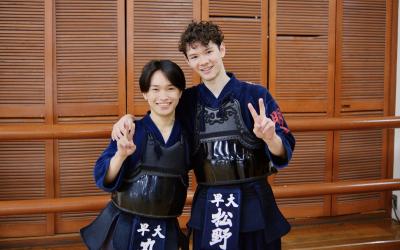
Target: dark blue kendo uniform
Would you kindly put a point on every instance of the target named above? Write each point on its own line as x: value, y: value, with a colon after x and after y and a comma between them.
x: 149, y: 191
x: 231, y: 165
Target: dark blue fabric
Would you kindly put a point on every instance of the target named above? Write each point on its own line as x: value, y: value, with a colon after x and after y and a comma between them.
x: 260, y: 215
x: 95, y: 234
x: 141, y: 126
x: 222, y: 219
x: 149, y: 231
x: 245, y: 93
x: 119, y: 225
x: 247, y: 241
x: 258, y: 210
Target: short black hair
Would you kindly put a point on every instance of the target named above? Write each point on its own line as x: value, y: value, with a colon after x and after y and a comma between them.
x: 203, y: 32
x: 170, y: 70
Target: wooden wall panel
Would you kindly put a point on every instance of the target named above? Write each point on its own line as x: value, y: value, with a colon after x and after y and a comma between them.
x: 336, y: 73
x: 235, y: 8
x: 153, y: 30
x: 361, y: 81
x: 311, y: 163
x: 243, y: 47
x: 76, y: 160
x: 361, y: 42
x: 302, y: 74
x: 89, y: 87
x: 242, y: 26
x: 302, y: 17
x: 359, y: 155
x: 301, y: 63
x: 89, y: 58
x: 22, y: 176
x: 22, y: 73
x: 301, y: 60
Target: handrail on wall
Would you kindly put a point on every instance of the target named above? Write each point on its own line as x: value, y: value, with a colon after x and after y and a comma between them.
x: 343, y: 123
x: 78, y: 131
x: 92, y: 203
x: 88, y: 203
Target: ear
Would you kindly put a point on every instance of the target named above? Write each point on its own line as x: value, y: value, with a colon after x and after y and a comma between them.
x: 222, y: 49
x: 144, y: 96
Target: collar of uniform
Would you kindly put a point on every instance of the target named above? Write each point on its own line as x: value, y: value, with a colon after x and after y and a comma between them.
x: 153, y: 129
x: 208, y: 98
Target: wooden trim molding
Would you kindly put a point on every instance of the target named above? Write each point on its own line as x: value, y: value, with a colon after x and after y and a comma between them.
x: 78, y: 131
x: 91, y: 203
x: 56, y: 131
x: 340, y: 123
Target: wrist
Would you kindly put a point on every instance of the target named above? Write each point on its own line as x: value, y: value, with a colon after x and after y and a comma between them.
x: 119, y: 156
x: 274, y: 139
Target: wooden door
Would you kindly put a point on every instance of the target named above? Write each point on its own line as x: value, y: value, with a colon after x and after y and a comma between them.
x: 361, y: 89
x: 301, y: 78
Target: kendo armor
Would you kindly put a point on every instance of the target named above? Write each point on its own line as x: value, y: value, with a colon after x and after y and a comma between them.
x: 225, y: 151
x: 157, y: 186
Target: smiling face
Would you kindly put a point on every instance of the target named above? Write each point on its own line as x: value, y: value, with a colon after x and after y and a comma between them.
x: 207, y: 61
x: 162, y: 96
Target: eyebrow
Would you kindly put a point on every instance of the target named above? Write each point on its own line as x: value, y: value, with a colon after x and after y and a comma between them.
x: 158, y: 85
x: 195, y: 53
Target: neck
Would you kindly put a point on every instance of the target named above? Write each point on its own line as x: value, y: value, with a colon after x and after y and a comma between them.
x: 218, y: 83
x: 163, y: 122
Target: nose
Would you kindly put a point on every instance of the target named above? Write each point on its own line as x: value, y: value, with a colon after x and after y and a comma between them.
x: 163, y: 95
x: 203, y: 60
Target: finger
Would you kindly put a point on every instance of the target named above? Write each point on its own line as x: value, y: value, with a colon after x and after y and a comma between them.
x: 118, y: 133
x: 114, y: 135
x: 257, y: 125
x: 263, y: 123
x: 126, y: 135
x: 129, y: 136
x: 252, y: 111
x: 132, y: 131
x: 128, y: 124
x: 261, y: 106
x: 269, y: 126
x: 256, y: 131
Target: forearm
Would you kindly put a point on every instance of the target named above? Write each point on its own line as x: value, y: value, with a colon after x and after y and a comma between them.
x: 114, y: 168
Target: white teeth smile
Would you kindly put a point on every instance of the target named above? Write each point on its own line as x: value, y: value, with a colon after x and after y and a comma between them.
x: 163, y: 104
x: 206, y: 69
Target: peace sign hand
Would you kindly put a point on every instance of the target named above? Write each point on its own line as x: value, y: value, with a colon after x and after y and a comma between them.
x: 264, y: 128
x: 125, y: 144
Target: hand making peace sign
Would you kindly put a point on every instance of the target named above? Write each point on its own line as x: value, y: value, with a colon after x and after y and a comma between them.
x: 264, y: 128
x: 125, y: 144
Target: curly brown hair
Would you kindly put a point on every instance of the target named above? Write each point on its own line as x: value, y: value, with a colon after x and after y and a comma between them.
x: 203, y: 32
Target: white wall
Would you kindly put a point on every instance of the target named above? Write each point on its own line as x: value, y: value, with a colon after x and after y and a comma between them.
x: 396, y: 170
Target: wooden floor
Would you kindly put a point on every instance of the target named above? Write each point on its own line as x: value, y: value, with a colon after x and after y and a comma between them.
x: 370, y: 232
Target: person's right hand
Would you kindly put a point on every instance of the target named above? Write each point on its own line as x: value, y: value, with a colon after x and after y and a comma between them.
x: 125, y: 144
x: 123, y: 124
